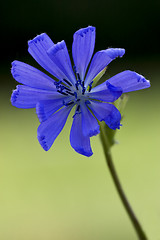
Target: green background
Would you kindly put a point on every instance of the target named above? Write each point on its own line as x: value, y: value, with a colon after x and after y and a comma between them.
x: 60, y: 194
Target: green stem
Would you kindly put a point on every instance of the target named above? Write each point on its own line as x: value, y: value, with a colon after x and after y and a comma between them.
x: 120, y: 191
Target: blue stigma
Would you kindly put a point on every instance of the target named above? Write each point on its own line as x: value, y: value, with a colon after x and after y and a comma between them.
x: 75, y: 94
x: 90, y: 86
x: 77, y: 111
x: 60, y: 88
x: 58, y: 84
x: 79, y: 81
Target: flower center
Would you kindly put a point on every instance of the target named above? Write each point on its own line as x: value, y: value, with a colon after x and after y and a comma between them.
x: 75, y: 94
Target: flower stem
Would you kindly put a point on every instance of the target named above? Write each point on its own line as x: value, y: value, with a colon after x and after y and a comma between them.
x: 133, y: 218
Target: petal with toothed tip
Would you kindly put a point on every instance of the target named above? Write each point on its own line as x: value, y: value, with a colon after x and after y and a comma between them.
x: 38, y: 48
x: 49, y: 130
x: 59, y: 55
x: 79, y: 142
x: 30, y: 76
x: 106, y: 112
x: 109, y: 93
x: 27, y: 97
x: 100, y: 60
x: 129, y: 81
x: 82, y: 49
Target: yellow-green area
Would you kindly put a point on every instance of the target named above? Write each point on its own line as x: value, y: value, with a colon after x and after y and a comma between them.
x: 62, y: 195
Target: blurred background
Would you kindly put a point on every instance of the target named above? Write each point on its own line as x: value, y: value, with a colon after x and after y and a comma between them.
x: 59, y: 194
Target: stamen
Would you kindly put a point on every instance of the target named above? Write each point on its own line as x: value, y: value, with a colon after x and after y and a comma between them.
x: 76, y: 85
x: 68, y: 89
x: 87, y: 102
x: 90, y: 86
x: 62, y: 93
x: 61, y: 88
x: 79, y: 83
x: 75, y: 94
x: 77, y: 73
x: 78, y: 76
x: 78, y: 108
x: 68, y: 104
x: 83, y: 90
x: 74, y: 68
x: 67, y: 82
x: 70, y: 93
x: 77, y: 111
x: 57, y: 84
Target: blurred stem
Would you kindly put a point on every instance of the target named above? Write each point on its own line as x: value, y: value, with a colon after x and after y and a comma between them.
x: 133, y: 218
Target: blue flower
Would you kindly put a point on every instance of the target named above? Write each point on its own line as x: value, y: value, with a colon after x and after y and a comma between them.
x: 72, y: 87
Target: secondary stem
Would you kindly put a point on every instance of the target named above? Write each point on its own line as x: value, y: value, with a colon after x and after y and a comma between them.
x: 118, y: 186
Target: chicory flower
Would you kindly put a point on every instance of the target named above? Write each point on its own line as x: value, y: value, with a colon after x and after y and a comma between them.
x: 72, y: 87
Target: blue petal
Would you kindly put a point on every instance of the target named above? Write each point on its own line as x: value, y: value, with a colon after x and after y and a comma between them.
x: 30, y: 76
x: 59, y: 55
x: 50, y: 129
x: 106, y: 93
x: 79, y: 142
x: 106, y: 112
x: 100, y: 60
x: 129, y: 81
x: 46, y: 108
x: 27, y: 97
x: 38, y: 48
x: 90, y: 126
x: 82, y: 49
